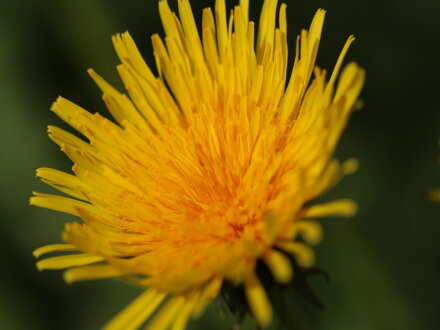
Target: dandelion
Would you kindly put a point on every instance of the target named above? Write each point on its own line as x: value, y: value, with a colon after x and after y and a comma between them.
x: 209, y: 166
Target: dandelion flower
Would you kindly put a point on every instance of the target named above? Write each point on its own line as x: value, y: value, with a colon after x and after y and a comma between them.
x: 209, y: 167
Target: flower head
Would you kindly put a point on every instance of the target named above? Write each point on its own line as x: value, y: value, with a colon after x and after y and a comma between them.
x: 208, y: 166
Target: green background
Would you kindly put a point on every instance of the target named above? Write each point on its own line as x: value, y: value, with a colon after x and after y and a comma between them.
x: 384, y: 263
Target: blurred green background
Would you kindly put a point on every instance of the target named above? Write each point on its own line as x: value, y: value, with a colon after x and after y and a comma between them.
x: 384, y: 263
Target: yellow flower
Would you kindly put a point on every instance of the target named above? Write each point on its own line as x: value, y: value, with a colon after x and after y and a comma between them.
x: 208, y: 167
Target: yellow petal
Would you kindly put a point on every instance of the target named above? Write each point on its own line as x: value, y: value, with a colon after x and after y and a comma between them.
x: 210, y: 291
x: 132, y: 316
x: 186, y: 311
x: 58, y: 203
x: 93, y: 272
x: 67, y: 183
x: 303, y: 254
x: 167, y: 314
x: 341, y: 207
x: 258, y: 300
x: 68, y: 261
x: 311, y: 231
x: 53, y: 248
x: 279, y: 265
